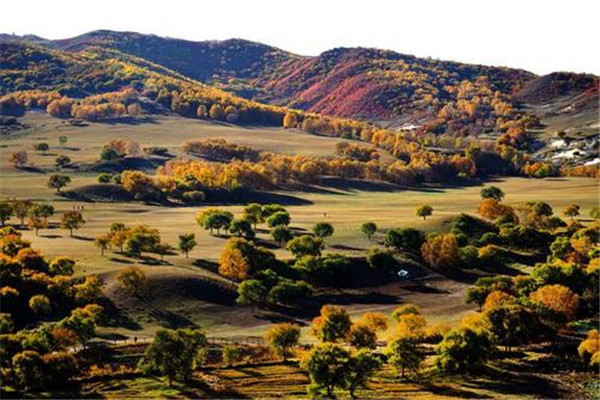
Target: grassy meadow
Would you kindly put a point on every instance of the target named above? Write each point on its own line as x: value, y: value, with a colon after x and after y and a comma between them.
x: 345, y: 204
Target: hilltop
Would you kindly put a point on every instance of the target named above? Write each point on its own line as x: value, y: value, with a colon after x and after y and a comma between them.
x: 361, y: 83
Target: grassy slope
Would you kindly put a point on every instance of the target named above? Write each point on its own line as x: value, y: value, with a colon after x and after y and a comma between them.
x: 347, y: 205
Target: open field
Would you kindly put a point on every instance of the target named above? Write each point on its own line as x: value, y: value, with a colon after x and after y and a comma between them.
x: 345, y: 204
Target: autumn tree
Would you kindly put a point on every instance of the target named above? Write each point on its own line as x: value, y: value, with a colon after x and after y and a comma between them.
x: 557, y: 298
x: 290, y: 120
x: 217, y: 112
x: 58, y: 181
x: 441, y: 252
x: 133, y: 279
x: 187, y: 242
x: 362, y: 336
x: 102, y: 242
x: 492, y: 209
x: 424, y: 210
x: 18, y: 158
x: 72, y: 220
x: 333, y: 325
x: 240, y: 259
x: 368, y: 229
x: 589, y: 349
x: 201, y: 112
x: 283, y: 337
x: 22, y: 208
x: 37, y: 223
x: 374, y: 320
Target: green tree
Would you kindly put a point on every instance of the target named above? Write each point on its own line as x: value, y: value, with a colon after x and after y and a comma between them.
x: 62, y: 140
x: 368, y: 229
x: 571, y: 211
x: 72, y: 220
x: 241, y: 228
x: 477, y: 295
x: 492, y: 192
x: 463, y: 350
x: 405, y: 353
x: 382, y: 260
x: 28, y: 368
x: 187, y: 242
x: 407, y: 239
x: 251, y: 292
x: 104, y: 177
x: 43, y: 210
x: 360, y: 368
x: 58, y: 181
x: 62, y: 160
x: 60, y: 368
x: 253, y: 214
x: 424, y: 210
x: 281, y: 234
x: 6, y: 211
x: 283, y: 337
x: 109, y: 154
x: 323, y: 230
x: 41, y: 147
x: 271, y: 209
x: 305, y: 245
x: 173, y: 353
x: 327, y: 367
x: 279, y: 218
x: 214, y: 218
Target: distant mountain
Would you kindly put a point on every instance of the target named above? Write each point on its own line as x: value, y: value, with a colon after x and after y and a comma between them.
x: 359, y: 83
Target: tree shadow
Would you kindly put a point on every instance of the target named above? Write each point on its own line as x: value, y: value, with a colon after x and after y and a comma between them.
x: 114, y: 317
x: 84, y: 238
x: 440, y: 390
x: 50, y: 236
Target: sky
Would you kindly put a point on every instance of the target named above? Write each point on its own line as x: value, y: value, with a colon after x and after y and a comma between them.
x: 539, y: 36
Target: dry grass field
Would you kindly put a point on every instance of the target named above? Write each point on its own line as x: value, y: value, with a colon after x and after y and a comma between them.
x: 183, y: 289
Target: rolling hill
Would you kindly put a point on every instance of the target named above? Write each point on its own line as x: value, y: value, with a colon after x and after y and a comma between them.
x: 362, y: 83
